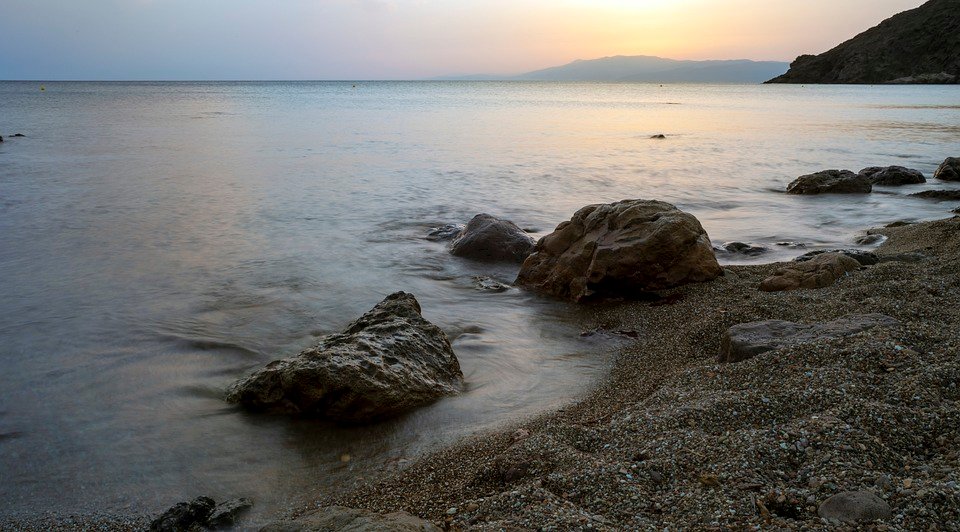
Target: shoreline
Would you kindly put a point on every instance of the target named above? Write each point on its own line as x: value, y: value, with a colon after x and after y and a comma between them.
x: 673, y: 438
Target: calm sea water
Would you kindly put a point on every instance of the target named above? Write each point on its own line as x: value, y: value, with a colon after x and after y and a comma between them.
x: 160, y: 240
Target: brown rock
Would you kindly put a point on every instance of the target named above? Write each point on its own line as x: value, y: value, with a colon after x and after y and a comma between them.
x: 949, y: 170
x: 621, y: 249
x: 489, y: 238
x: 830, y: 182
x: 818, y: 272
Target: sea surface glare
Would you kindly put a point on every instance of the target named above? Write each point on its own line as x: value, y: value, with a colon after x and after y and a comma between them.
x: 159, y: 241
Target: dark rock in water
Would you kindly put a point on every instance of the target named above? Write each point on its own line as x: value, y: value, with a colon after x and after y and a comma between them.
x: 949, y: 169
x: 742, y: 248
x: 1, y: 138
x: 659, y: 136
x: 819, y: 272
x: 918, y: 44
x: 941, y: 195
x: 748, y: 340
x: 225, y: 514
x: 490, y: 285
x: 893, y: 176
x: 830, y: 182
x: 865, y: 258
x: 870, y: 240
x: 185, y: 516
x: 388, y: 361
x: 445, y: 232
x: 490, y: 238
x: 338, y: 518
x: 621, y: 249
x: 854, y: 507
x: 794, y: 245
x: 18, y: 135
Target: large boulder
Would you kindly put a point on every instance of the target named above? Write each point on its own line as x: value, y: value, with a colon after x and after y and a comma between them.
x: 949, y: 170
x: 621, y: 249
x: 854, y: 507
x: 340, y: 519
x: 748, y: 340
x: 819, y: 272
x: 388, y: 361
x: 489, y: 238
x: 892, y: 176
x: 830, y: 182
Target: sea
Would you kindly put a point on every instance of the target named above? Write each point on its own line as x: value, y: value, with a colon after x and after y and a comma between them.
x: 159, y: 241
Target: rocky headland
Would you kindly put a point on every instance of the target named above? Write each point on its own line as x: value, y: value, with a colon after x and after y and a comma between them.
x: 919, y: 46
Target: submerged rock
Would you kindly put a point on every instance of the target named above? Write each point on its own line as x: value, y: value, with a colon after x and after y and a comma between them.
x: 854, y: 507
x: 621, y: 249
x: 942, y: 195
x: 338, y: 518
x: 748, y: 340
x: 949, y: 169
x: 893, y: 176
x: 490, y: 238
x: 488, y: 284
x: 388, y: 361
x: 742, y: 248
x: 185, y: 516
x: 818, y: 272
x: 445, y: 232
x: 830, y: 182
x: 865, y: 258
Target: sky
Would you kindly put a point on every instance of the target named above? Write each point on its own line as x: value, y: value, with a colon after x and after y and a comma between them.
x: 403, y: 39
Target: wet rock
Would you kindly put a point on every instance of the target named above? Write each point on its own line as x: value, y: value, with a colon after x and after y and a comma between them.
x: 444, y: 232
x: 949, y: 169
x: 1, y: 138
x: 388, y: 361
x: 184, y: 516
x: 225, y: 514
x: 830, y: 182
x: 490, y: 238
x: 941, y: 195
x: 18, y: 135
x: 487, y: 284
x: 742, y: 248
x: 338, y: 518
x: 818, y: 272
x: 621, y: 249
x: 658, y: 136
x: 792, y: 245
x: 865, y: 258
x: 893, y: 176
x: 854, y: 507
x: 748, y: 340
x: 870, y: 240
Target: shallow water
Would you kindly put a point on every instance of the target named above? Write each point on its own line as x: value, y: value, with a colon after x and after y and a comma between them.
x: 160, y: 240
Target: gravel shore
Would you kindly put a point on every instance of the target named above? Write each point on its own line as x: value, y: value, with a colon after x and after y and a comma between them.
x: 674, y: 439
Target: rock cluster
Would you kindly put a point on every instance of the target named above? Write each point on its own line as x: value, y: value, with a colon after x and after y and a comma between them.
x: 388, y: 361
x: 620, y: 249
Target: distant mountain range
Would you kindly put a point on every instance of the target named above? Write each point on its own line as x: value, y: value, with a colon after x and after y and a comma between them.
x: 648, y: 69
x: 921, y: 45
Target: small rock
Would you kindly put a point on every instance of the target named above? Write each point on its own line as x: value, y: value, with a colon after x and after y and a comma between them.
x: 893, y: 176
x: 185, y: 516
x: 487, y: 284
x: 452, y: 511
x: 18, y: 135
x: 870, y: 240
x: 742, y: 248
x: 949, y: 170
x: 830, y: 182
x: 658, y: 136
x: 225, y: 514
x: 819, y: 272
x: 709, y: 480
x: 899, y: 223
x: 490, y: 238
x: 444, y: 232
x: 939, y: 195
x: 865, y: 258
x: 472, y: 507
x: 854, y: 507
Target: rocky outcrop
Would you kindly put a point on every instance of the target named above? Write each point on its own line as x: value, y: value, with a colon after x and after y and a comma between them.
x: 748, y: 340
x: 490, y: 238
x: 921, y: 44
x: 941, y: 195
x: 949, y: 169
x: 620, y: 249
x: 892, y: 176
x: 830, y: 182
x: 340, y: 519
x: 854, y: 507
x: 388, y: 361
x: 819, y: 272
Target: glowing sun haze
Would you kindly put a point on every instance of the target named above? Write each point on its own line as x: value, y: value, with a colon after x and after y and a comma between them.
x: 403, y: 39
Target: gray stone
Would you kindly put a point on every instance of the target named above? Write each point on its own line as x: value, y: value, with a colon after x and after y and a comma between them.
x: 870, y: 240
x: 193, y: 515
x: 893, y: 176
x: 830, y: 182
x: 819, y: 272
x: 445, y: 232
x: 748, y: 340
x: 487, y: 284
x: 388, y: 361
x: 940, y: 195
x: 340, y: 519
x: 621, y: 249
x: 865, y: 258
x: 854, y: 507
x: 742, y: 248
x: 490, y: 238
x: 949, y: 169
x: 225, y: 514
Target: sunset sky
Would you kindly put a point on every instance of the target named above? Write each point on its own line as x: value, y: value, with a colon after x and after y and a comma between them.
x: 403, y: 39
